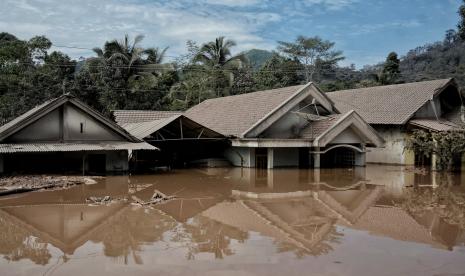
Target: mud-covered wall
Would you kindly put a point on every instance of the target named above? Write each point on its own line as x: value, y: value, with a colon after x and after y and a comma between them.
x: 393, y: 150
x: 240, y: 156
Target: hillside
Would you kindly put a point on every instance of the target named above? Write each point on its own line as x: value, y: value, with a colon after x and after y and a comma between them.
x: 257, y: 57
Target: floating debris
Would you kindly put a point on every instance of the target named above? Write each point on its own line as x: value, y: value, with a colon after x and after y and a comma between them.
x: 105, y: 200
x: 157, y: 198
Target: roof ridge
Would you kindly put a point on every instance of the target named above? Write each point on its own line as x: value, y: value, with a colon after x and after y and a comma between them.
x: 390, y: 85
x: 251, y: 93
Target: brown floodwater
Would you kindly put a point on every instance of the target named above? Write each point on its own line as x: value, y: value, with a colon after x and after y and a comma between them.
x: 378, y: 220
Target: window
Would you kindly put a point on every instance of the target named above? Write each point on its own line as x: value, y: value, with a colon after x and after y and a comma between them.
x: 82, y: 127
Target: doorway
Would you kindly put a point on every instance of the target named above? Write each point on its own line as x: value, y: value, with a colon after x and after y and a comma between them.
x: 261, y: 158
x: 97, y: 163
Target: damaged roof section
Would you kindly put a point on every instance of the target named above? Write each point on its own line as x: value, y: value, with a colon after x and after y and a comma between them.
x: 184, y: 128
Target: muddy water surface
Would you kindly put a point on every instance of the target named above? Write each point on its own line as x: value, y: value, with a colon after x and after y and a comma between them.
x: 368, y: 221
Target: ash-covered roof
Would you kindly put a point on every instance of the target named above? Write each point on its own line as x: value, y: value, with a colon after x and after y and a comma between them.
x: 67, y: 147
x: 137, y: 116
x: 233, y: 115
x: 389, y: 104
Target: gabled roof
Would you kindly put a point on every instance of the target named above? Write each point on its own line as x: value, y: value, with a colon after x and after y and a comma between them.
x: 143, y: 129
x: 390, y: 104
x: 41, y: 110
x: 137, y: 116
x: 240, y: 115
x: 322, y: 132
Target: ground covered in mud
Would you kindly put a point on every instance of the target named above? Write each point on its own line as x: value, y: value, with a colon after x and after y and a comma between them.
x: 37, y: 182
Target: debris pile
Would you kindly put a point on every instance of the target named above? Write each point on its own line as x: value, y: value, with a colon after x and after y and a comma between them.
x: 157, y: 198
x: 105, y: 200
x: 18, y: 184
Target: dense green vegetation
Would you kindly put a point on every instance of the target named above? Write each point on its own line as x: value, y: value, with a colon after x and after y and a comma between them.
x: 124, y: 75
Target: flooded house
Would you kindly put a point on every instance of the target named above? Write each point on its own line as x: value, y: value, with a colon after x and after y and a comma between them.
x: 394, y: 110
x: 65, y: 135
x: 297, y: 126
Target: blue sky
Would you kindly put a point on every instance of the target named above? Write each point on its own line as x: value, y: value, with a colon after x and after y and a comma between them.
x: 366, y: 30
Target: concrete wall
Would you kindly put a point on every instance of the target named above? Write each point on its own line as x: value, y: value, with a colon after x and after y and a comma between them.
x: 65, y: 124
x: 393, y: 150
x: 348, y: 136
x: 288, y: 125
x: 427, y: 110
x: 235, y: 154
x: 46, y: 128
x: 92, y: 129
x: 285, y: 157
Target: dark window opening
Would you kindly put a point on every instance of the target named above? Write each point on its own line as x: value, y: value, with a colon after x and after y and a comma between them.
x: 82, y: 128
x: 261, y: 158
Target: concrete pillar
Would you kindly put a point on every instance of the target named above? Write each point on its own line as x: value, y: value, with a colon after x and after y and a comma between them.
x: 434, y: 162
x: 316, y: 157
x: 270, y: 162
x: 360, y: 159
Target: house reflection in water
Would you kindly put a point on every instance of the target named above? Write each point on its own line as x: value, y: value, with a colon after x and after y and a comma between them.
x: 215, y: 212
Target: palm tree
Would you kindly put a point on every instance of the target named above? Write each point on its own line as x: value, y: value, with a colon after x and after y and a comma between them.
x: 218, y: 54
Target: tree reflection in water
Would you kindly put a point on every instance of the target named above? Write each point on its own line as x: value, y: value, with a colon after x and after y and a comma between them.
x: 16, y: 243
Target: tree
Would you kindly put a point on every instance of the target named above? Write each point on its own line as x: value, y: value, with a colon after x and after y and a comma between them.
x: 278, y: 72
x: 450, y: 37
x: 218, y: 54
x: 461, y: 25
x: 314, y: 53
x: 391, y: 69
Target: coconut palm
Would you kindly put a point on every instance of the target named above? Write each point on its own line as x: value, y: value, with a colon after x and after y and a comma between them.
x: 218, y: 54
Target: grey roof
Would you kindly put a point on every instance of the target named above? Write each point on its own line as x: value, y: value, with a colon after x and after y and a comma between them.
x: 30, y: 116
x: 433, y: 124
x: 316, y: 128
x: 390, y: 104
x: 233, y: 115
x: 67, y: 147
x: 144, y: 129
x: 137, y: 116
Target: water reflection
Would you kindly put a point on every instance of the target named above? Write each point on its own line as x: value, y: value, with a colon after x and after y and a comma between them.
x: 219, y: 212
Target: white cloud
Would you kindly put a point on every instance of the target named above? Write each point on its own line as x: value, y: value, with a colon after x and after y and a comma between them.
x: 331, y: 4
x: 234, y: 3
x: 89, y: 23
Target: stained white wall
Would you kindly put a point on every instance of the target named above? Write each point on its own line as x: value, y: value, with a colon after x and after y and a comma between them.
x: 235, y: 154
x: 348, y: 136
x: 393, y: 150
x: 46, y: 128
x: 92, y: 129
x: 289, y: 124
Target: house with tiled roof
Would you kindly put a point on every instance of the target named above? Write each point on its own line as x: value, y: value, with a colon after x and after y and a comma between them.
x: 66, y: 135
x: 285, y: 127
x: 394, y: 110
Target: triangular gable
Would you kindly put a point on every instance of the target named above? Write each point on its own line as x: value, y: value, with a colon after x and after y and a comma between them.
x: 47, y: 109
x: 309, y: 90
x: 350, y: 120
x: 142, y: 130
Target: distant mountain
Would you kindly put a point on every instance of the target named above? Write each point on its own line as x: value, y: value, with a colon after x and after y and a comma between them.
x: 258, y: 57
